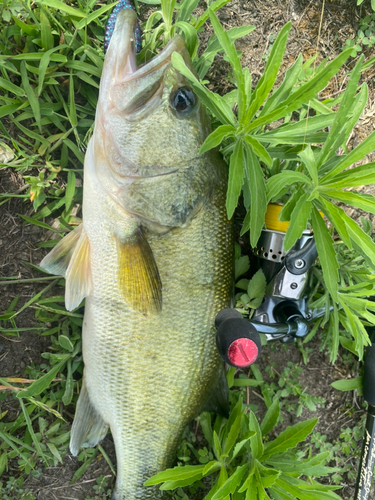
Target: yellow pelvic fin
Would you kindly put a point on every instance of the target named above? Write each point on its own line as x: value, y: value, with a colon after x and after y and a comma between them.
x: 139, y: 278
x: 57, y: 261
x: 78, y: 274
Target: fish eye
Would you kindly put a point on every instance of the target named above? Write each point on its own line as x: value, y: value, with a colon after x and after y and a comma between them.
x: 183, y: 100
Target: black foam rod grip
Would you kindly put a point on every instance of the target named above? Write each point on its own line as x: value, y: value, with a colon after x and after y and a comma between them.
x: 226, y: 314
x: 369, y: 374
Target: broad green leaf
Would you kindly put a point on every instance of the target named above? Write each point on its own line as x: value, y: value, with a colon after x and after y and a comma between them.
x: 359, y: 176
x: 271, y: 417
x: 277, y: 183
x: 308, y: 158
x: 56, y: 4
x: 313, y: 466
x: 43, y: 65
x: 269, y: 76
x: 217, y: 137
x: 365, y: 244
x: 191, y: 37
x: 302, y: 128
x: 8, y: 109
x: 177, y: 473
x: 255, y: 178
x: 43, y: 382
x: 32, y: 433
x: 257, y: 285
x: 236, y: 173
x: 259, y: 150
x: 326, y: 252
x: 241, y: 266
x: 65, y: 343
x: 303, y: 491
x: 289, y: 438
x: 348, y: 384
x: 256, y: 441
x: 233, y: 434
x: 246, y: 382
x: 231, y: 483
x: 365, y: 202
x: 298, y: 221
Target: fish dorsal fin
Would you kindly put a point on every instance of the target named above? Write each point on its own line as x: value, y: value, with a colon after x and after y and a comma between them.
x: 139, y: 279
x: 78, y: 274
x: 88, y: 426
x: 57, y: 260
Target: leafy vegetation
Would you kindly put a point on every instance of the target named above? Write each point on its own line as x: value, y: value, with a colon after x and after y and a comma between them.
x: 281, y: 144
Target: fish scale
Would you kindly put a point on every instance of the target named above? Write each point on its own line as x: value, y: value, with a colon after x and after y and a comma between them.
x: 154, y: 260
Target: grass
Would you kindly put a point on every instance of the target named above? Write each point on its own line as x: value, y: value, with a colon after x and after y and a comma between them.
x: 51, y: 61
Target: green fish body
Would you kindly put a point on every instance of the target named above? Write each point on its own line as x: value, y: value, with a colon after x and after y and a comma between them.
x: 154, y: 259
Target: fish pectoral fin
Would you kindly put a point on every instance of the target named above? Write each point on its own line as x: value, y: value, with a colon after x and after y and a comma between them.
x: 88, y: 426
x: 139, y: 279
x: 57, y: 260
x: 78, y: 274
x: 218, y: 400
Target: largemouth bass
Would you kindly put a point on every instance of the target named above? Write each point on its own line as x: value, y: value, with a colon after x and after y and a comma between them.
x: 153, y: 257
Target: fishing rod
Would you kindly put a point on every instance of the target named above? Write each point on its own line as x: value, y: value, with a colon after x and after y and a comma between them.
x: 284, y: 315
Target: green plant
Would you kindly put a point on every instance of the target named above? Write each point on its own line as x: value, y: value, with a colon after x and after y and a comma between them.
x: 12, y: 490
x: 247, y: 464
x: 365, y: 35
x: 101, y: 489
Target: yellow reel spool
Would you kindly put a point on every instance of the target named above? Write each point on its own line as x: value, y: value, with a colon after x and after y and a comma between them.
x: 272, y: 219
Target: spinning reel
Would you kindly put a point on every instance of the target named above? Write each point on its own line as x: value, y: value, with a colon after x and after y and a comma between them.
x: 284, y: 315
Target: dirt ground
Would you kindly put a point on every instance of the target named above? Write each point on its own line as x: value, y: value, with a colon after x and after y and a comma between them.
x: 317, y: 26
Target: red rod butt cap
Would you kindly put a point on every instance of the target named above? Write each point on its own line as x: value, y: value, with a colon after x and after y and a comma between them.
x: 243, y: 352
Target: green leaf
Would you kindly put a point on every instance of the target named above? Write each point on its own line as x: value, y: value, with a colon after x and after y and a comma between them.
x: 271, y: 417
x: 246, y: 382
x: 313, y: 466
x: 326, y: 252
x: 236, y: 171
x: 303, y: 94
x: 348, y: 384
x: 217, y: 137
x: 94, y: 15
x: 42, y: 383
x: 65, y: 343
x: 178, y: 473
x: 215, y: 103
x: 10, y: 87
x: 241, y: 265
x: 355, y: 155
x: 255, y: 179
x: 233, y: 434
x: 191, y: 37
x: 277, y: 183
x: 34, y: 102
x: 259, y: 150
x: 79, y: 473
x: 282, y: 93
x: 46, y: 34
x: 334, y: 215
x: 70, y: 189
x: 269, y: 76
x: 69, y: 386
x: 257, y: 285
x: 56, y: 4
x: 231, y: 483
x: 289, y: 438
x: 308, y: 158
x: 231, y: 53
x: 365, y: 202
x: 256, y: 442
x: 298, y: 221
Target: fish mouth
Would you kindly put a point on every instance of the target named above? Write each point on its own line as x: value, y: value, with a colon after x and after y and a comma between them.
x: 120, y: 61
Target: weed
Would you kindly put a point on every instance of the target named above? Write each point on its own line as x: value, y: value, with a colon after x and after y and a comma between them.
x: 12, y: 490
